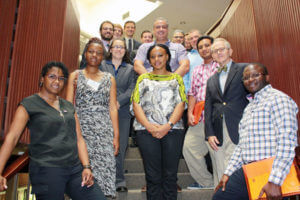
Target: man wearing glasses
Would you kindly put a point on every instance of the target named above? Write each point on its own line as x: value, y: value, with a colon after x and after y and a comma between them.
x: 106, y: 31
x: 269, y: 125
x: 224, y: 104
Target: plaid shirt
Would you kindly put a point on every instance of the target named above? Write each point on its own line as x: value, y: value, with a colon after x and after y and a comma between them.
x: 200, y: 76
x: 268, y: 128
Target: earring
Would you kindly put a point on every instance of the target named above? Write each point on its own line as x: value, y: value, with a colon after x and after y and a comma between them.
x: 41, y: 84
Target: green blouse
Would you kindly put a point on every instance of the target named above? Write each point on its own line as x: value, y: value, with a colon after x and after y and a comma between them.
x: 53, y: 140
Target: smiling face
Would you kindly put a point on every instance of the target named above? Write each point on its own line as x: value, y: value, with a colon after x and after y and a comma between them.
x: 178, y: 37
x: 118, y: 49
x: 107, y: 31
x: 53, y: 81
x: 160, y: 30
x: 158, y: 58
x: 204, y: 49
x: 117, y: 32
x: 94, y: 54
x: 129, y: 29
x: 193, y: 37
x: 147, y: 37
x: 254, y: 78
x: 220, y: 53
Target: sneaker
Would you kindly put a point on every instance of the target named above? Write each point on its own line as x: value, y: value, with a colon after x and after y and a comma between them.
x: 197, y: 186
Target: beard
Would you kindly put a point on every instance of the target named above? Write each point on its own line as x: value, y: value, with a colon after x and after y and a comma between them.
x: 106, y: 38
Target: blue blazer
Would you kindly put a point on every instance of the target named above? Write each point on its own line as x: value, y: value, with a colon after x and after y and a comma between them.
x: 231, y: 104
x: 125, y: 79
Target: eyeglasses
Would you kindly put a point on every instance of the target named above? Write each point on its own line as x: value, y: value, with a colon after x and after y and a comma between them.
x: 118, y: 47
x: 108, y: 29
x: 221, y: 50
x: 53, y: 77
x: 253, y: 76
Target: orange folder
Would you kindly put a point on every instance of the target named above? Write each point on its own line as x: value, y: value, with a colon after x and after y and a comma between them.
x: 257, y: 175
x: 199, y: 107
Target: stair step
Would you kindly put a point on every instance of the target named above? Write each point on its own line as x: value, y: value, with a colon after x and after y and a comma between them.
x: 184, y: 195
x: 136, y: 166
x: 133, y: 153
x: 137, y: 180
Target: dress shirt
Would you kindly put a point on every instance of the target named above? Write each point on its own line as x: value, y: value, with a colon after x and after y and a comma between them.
x: 177, y: 51
x: 106, y: 45
x: 195, y: 60
x: 223, y: 76
x: 268, y: 128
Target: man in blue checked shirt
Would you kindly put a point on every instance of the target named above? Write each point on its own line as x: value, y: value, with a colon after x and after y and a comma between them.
x: 268, y: 128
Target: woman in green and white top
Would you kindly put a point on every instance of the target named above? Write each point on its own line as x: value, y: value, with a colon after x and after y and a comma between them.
x: 158, y: 104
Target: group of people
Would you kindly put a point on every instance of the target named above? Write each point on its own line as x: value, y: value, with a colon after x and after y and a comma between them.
x: 80, y: 150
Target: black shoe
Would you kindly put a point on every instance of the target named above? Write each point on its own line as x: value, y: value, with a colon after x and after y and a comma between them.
x: 122, y: 189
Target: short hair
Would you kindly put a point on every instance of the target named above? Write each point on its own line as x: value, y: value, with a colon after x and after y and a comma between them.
x: 179, y: 31
x: 227, y: 44
x: 125, y: 58
x: 146, y: 31
x: 129, y: 21
x: 161, y: 19
x: 193, y: 30
x: 52, y: 64
x: 166, y: 48
x: 262, y: 66
x: 106, y: 21
x: 205, y: 37
x: 118, y: 26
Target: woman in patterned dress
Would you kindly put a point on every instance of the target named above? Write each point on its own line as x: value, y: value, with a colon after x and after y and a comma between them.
x: 158, y: 104
x: 96, y: 106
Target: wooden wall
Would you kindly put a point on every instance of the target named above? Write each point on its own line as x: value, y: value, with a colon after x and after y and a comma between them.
x: 45, y: 30
x: 267, y: 32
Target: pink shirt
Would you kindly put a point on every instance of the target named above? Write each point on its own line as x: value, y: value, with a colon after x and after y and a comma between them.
x: 200, y: 76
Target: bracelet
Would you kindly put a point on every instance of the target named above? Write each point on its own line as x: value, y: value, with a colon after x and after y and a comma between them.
x: 86, y: 166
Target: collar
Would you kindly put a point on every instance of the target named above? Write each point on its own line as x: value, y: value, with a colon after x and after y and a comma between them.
x: 228, y: 67
x: 260, y: 94
x: 123, y: 64
x: 166, y: 43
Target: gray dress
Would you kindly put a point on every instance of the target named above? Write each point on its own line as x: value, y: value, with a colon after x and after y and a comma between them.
x: 92, y: 106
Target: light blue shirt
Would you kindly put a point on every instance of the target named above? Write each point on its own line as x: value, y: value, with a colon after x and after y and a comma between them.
x: 195, y: 60
x: 223, y: 76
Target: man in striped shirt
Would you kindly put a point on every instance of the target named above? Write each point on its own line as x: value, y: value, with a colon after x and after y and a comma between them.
x: 195, y: 147
x: 268, y: 128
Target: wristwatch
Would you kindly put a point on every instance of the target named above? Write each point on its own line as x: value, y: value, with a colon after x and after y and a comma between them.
x: 171, y: 124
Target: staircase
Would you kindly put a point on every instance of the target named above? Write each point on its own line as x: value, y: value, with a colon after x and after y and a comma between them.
x: 135, y: 179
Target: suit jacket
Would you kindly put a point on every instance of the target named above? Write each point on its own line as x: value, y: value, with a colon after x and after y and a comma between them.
x: 231, y: 104
x: 132, y: 53
x: 125, y: 79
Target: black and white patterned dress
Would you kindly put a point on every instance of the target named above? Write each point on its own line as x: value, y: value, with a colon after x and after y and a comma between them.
x: 92, y: 107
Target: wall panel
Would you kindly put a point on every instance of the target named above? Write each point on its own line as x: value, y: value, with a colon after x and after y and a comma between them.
x: 7, y: 17
x: 41, y: 35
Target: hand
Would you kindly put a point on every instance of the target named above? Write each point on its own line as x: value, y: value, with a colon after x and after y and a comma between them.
x: 116, y: 145
x: 222, y: 183
x: 272, y: 191
x: 162, y: 130
x: 191, y: 119
x: 213, y: 142
x: 3, y: 183
x: 152, y: 128
x: 87, y: 178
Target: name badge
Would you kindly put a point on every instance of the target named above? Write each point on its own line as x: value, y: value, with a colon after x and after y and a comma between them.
x: 93, y: 84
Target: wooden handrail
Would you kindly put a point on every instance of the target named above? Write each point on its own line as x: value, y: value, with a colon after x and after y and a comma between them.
x: 16, y: 166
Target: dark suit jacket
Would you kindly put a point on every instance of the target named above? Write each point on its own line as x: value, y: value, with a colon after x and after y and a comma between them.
x: 231, y: 103
x: 132, y: 53
x: 125, y: 79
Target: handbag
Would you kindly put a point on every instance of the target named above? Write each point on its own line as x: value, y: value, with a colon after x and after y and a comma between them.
x: 257, y: 175
x: 198, y: 109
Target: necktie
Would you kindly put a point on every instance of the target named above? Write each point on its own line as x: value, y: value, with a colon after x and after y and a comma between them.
x: 130, y: 44
x: 224, y: 68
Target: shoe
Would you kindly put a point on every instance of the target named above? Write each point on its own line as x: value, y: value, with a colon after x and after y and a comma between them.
x: 197, y: 186
x: 144, y: 188
x: 122, y: 189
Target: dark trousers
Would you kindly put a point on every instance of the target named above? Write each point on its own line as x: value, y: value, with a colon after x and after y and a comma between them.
x: 49, y: 183
x: 124, y: 126
x: 236, y: 188
x: 161, y: 159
